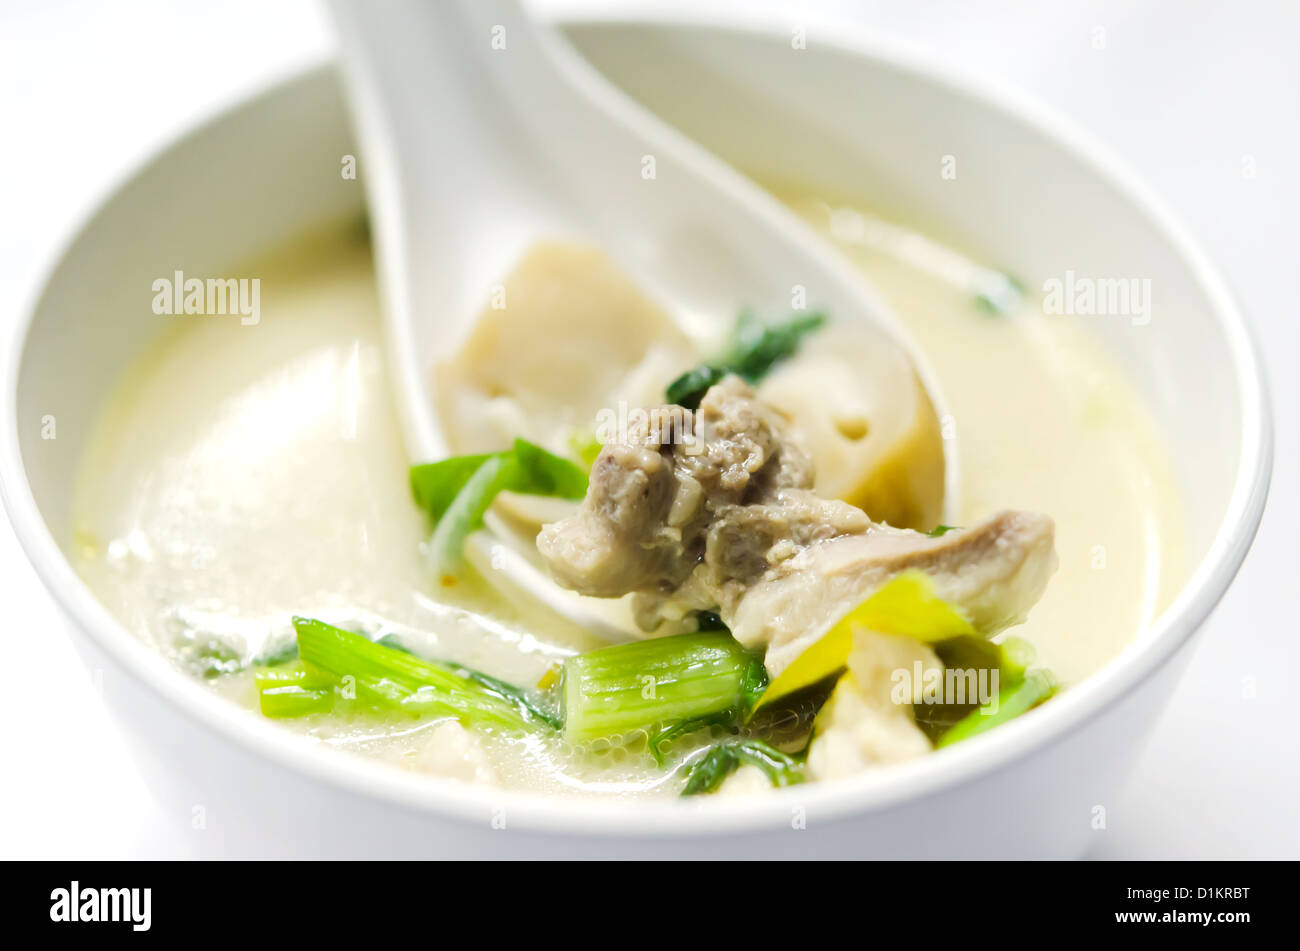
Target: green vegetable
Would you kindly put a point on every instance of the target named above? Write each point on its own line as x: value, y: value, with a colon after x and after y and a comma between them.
x: 465, y: 514
x: 1012, y: 701
x: 615, y: 690
x: 707, y: 773
x: 585, y: 447
x: 755, y: 348
x: 290, y: 700
x: 668, y: 733
x: 457, y: 492
x: 393, y: 679
x: 999, y: 294
x: 539, y: 472
x: 435, y: 484
x: 1011, y: 660
x: 971, y: 652
x: 689, y: 388
x: 940, y: 530
x: 511, y: 694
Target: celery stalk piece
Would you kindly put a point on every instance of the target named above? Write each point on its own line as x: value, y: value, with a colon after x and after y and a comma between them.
x: 614, y: 690
x: 394, y: 679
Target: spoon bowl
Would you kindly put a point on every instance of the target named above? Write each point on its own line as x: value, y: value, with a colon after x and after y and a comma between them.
x: 482, y: 133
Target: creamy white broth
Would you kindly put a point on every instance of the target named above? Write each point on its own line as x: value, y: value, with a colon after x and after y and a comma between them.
x: 1044, y: 422
x: 243, y: 474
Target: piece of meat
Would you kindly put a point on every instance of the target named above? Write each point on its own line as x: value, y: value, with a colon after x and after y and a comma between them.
x: 655, y: 496
x: 714, y: 511
x: 993, y: 572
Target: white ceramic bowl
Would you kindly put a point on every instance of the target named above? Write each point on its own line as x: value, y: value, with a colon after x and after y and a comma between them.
x: 846, y: 115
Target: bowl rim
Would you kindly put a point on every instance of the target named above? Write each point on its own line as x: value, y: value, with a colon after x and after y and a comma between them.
x: 905, y: 783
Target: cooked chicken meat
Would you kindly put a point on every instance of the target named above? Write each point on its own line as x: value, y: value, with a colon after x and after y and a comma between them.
x: 713, y: 510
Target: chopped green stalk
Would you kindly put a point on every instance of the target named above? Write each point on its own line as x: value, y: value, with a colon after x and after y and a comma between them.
x: 707, y: 773
x: 465, y: 514
x: 940, y: 530
x: 285, y: 676
x: 1037, y: 686
x: 435, y: 484
x: 292, y: 700
x: 754, y: 350
x: 457, y: 492
x: 615, y: 690
x: 394, y: 679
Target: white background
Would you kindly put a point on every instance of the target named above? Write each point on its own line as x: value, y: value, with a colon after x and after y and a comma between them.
x: 1192, y: 93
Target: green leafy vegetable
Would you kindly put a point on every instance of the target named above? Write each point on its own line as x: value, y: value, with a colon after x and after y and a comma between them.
x: 457, y: 492
x: 435, y: 484
x: 539, y: 472
x: 707, y: 773
x: 1037, y: 686
x: 521, y: 698
x: 755, y: 348
x: 612, y: 691
x: 940, y: 530
x: 1010, y: 660
x: 689, y: 388
x: 338, y: 663
x: 669, y: 733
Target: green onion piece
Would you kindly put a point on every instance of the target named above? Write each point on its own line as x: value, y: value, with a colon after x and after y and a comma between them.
x: 707, y: 773
x: 396, y: 680
x: 614, y: 690
x: 292, y: 700
x: 940, y: 530
x: 755, y: 349
x: 435, y: 484
x: 465, y: 514
x: 1037, y: 686
x: 457, y: 492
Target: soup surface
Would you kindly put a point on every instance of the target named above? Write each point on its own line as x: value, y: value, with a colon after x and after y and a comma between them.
x: 244, y: 474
